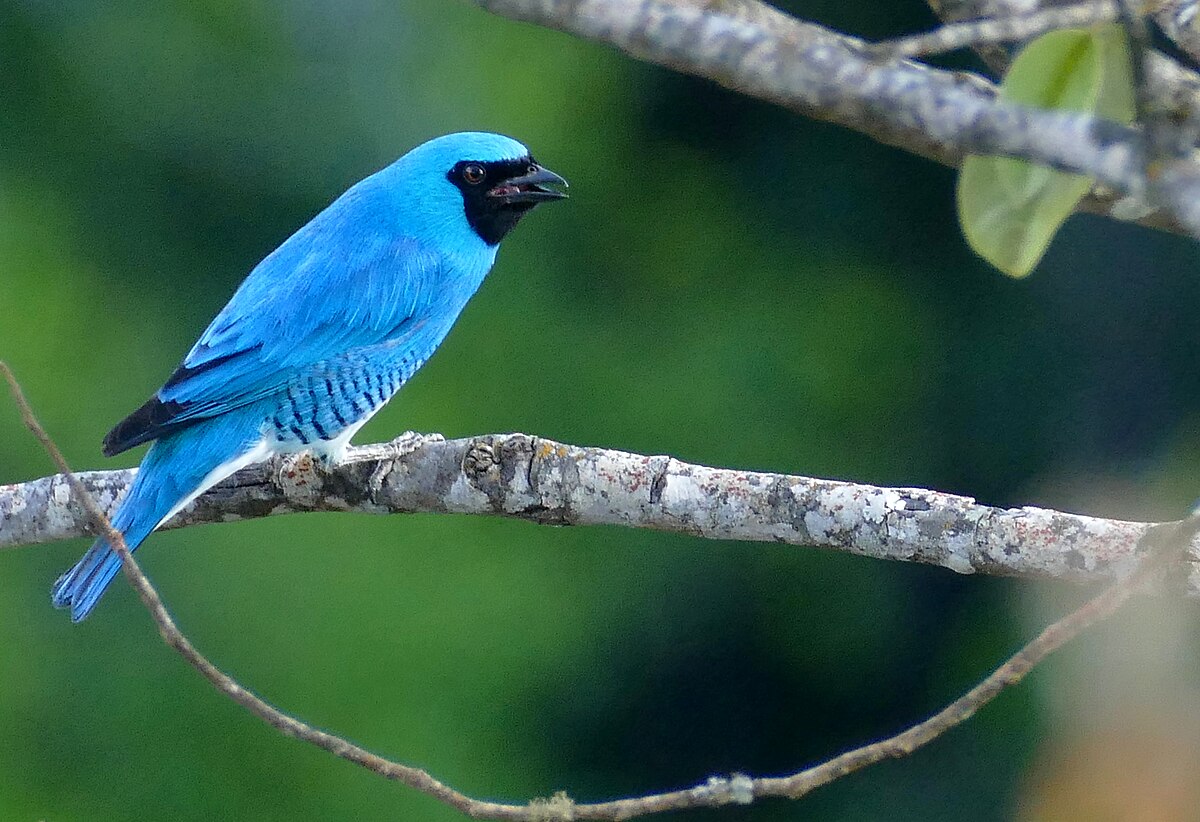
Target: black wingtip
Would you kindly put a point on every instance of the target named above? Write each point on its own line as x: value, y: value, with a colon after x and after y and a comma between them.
x: 154, y: 419
x: 117, y: 440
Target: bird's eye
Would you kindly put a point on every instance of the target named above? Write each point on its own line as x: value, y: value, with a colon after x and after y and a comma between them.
x: 533, y: 169
x: 474, y: 173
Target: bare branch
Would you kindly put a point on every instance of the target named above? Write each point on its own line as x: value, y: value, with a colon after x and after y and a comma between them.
x: 822, y: 74
x: 738, y: 789
x: 1177, y: 19
x: 548, y: 482
x: 1173, y: 88
x: 829, y: 76
x: 1010, y: 20
x: 954, y: 11
x: 990, y: 30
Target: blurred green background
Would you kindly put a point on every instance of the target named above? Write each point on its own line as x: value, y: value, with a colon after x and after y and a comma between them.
x: 729, y: 284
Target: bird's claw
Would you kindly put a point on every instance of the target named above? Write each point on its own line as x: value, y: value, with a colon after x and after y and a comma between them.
x: 293, y: 465
x: 298, y: 478
x: 397, y: 449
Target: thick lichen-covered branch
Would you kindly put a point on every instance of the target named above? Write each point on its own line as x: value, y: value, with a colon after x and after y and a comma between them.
x: 547, y: 482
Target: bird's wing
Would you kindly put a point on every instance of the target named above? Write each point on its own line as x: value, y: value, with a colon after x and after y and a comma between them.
x: 317, y: 296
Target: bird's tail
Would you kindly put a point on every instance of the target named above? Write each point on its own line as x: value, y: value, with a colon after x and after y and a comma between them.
x: 177, y: 468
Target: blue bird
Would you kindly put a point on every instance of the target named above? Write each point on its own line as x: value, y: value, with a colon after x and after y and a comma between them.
x: 322, y: 332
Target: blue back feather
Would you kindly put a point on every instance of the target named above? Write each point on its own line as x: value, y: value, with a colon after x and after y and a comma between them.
x: 393, y: 247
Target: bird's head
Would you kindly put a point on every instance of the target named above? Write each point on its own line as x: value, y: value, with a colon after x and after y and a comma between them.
x: 489, y: 179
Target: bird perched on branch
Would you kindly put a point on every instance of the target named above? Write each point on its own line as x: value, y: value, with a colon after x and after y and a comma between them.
x: 322, y: 332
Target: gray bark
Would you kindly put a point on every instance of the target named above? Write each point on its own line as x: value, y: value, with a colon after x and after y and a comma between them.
x: 550, y: 483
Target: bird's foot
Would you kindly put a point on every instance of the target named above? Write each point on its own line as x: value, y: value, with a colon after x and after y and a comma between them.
x: 298, y: 478
x: 411, y: 441
x: 326, y: 459
x: 397, y: 449
x: 294, y: 464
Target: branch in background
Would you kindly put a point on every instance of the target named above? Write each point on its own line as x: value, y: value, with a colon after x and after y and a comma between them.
x: 550, y: 483
x: 1177, y: 19
x: 715, y: 792
x: 754, y: 49
x: 995, y: 56
x: 1173, y: 88
x: 991, y: 30
x: 1167, y: 102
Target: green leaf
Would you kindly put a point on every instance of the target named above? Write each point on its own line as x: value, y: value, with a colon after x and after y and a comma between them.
x: 1010, y: 209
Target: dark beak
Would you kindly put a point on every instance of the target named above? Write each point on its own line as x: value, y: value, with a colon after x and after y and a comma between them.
x: 529, y: 188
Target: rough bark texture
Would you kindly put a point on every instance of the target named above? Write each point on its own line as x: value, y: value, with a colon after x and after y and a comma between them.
x: 547, y: 482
